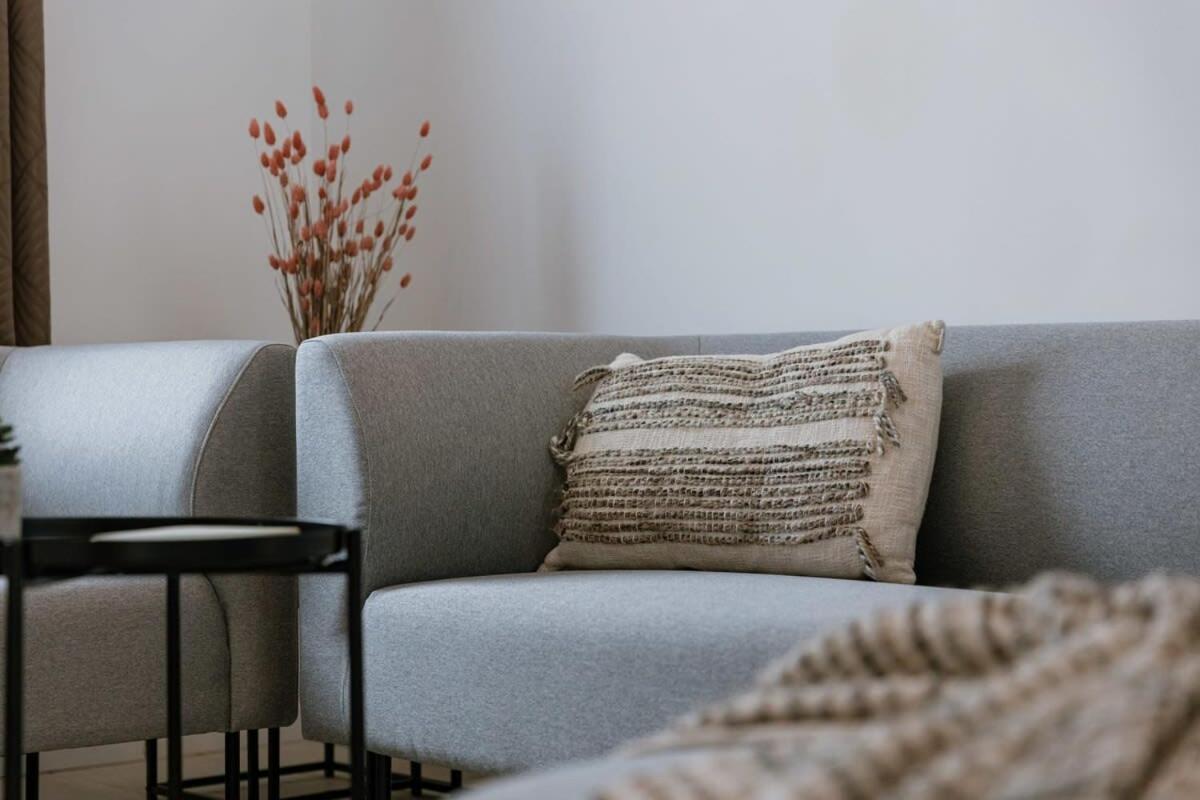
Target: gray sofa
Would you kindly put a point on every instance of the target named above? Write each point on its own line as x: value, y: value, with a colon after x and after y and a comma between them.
x: 179, y: 428
x: 1062, y: 446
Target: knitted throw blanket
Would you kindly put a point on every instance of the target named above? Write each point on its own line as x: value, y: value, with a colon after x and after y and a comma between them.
x: 1064, y: 689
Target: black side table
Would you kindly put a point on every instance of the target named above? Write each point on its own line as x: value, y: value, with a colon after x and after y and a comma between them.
x: 56, y: 548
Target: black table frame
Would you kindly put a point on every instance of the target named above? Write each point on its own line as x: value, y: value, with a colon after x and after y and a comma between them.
x: 61, y: 548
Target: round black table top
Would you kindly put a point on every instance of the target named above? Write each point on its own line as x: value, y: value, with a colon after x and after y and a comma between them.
x: 65, y: 546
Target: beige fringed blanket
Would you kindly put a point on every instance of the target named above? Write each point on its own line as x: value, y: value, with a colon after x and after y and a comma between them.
x: 1064, y: 689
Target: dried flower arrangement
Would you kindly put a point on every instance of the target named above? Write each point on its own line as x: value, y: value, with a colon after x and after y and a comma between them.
x: 331, y: 244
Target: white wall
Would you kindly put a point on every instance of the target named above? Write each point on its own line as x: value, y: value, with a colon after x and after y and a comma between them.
x: 673, y: 165
x: 150, y: 167
x: 646, y: 165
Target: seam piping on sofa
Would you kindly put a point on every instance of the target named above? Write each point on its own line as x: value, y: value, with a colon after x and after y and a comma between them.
x: 360, y: 443
x: 233, y: 385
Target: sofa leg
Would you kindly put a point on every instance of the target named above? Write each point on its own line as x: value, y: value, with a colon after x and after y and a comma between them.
x: 456, y: 779
x: 329, y: 760
x: 151, y: 769
x: 233, y: 769
x: 272, y: 763
x: 31, y: 776
x: 252, y: 764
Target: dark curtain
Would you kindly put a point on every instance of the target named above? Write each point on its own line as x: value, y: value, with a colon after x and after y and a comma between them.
x: 24, y: 236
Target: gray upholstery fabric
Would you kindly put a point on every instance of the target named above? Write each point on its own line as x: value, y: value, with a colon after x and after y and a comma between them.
x: 1061, y: 446
x: 503, y: 673
x: 579, y: 781
x: 95, y: 661
x: 172, y: 428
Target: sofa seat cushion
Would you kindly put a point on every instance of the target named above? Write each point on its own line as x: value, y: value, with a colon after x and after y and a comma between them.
x: 509, y: 672
x: 96, y: 660
x: 582, y: 780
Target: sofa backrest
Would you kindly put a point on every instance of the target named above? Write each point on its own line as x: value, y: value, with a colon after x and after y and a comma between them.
x: 1061, y: 446
x: 153, y: 428
x: 1073, y: 446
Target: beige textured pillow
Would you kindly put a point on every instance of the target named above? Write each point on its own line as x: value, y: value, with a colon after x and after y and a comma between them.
x: 813, y: 461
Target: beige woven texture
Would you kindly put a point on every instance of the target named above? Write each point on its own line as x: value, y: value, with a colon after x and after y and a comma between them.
x: 812, y: 461
x: 1066, y: 689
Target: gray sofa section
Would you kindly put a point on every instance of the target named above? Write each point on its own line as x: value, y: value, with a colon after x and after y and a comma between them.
x: 1061, y: 446
x: 173, y: 428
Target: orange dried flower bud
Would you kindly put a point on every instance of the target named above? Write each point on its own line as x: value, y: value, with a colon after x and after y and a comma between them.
x: 368, y: 243
x: 273, y: 261
x: 274, y: 171
x: 323, y: 112
x: 318, y: 96
x: 294, y: 210
x: 286, y: 149
x: 378, y: 229
x: 426, y: 161
x: 334, y: 152
x: 377, y: 175
x: 410, y: 233
x: 320, y: 228
x: 280, y: 109
x: 297, y: 193
x: 407, y: 179
x: 268, y: 134
x: 265, y: 160
x: 349, y: 107
x: 346, y: 143
x: 297, y: 157
x: 403, y: 229
x: 254, y: 129
x: 331, y: 173
x: 356, y: 197
x: 305, y: 233
x: 352, y: 248
x: 283, y: 179
x: 277, y: 159
x: 297, y: 139
x: 319, y: 167
x: 314, y: 327
x: 412, y: 212
x: 387, y: 263
x: 399, y: 192
x: 341, y: 228
x: 412, y: 193
x: 304, y: 304
x: 387, y: 173
x: 305, y: 286
x: 406, y: 280
x: 321, y: 193
x: 318, y: 289
x: 424, y: 129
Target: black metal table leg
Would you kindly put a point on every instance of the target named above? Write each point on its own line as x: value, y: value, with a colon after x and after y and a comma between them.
x: 32, y: 774
x: 174, y: 699
x: 329, y: 760
x: 13, y: 678
x: 354, y: 613
x: 252, y: 764
x: 456, y: 779
x: 272, y: 763
x: 233, y: 769
x: 418, y: 784
x: 151, y: 769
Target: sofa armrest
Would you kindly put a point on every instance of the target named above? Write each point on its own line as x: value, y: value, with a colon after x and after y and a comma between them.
x: 172, y: 429
x: 435, y: 444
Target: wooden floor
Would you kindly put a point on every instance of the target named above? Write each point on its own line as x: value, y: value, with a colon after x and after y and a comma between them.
x: 127, y: 780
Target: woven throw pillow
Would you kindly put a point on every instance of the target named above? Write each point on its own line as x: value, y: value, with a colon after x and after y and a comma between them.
x: 812, y: 461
